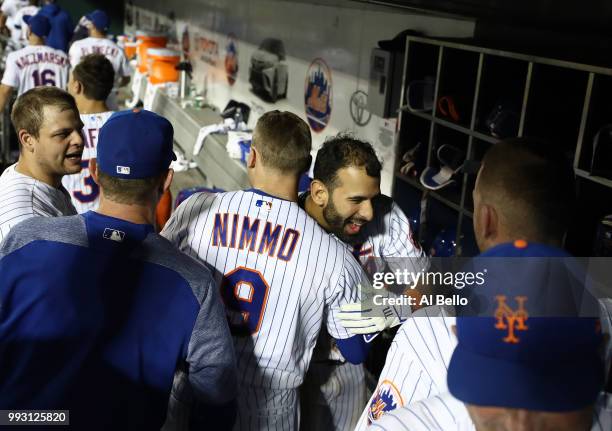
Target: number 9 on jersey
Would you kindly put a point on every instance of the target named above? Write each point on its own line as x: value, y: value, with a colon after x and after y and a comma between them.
x: 245, y: 293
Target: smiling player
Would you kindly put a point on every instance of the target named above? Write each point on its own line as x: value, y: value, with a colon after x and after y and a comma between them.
x: 48, y: 127
x: 346, y: 201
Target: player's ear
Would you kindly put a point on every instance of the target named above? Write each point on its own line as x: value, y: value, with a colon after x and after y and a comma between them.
x: 251, y: 158
x: 93, y: 170
x: 77, y: 87
x: 26, y: 140
x: 486, y: 222
x: 319, y: 193
x: 168, y: 180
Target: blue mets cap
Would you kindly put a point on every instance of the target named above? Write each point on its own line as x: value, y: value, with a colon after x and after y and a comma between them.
x: 135, y: 144
x: 39, y: 24
x: 529, y: 346
x: 99, y: 19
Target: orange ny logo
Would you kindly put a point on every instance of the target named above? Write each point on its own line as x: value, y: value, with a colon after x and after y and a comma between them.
x: 511, y: 320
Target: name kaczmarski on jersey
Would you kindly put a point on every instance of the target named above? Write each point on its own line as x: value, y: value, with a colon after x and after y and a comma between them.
x: 424, y: 300
x: 41, y: 57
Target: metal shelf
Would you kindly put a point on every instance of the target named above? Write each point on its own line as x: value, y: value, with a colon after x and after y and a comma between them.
x: 455, y: 126
x: 587, y: 176
x: 531, y: 84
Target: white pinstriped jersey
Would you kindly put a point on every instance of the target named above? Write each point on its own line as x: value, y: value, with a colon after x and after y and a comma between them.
x: 387, y: 242
x: 412, y: 392
x: 389, y: 237
x: 416, y: 365
x: 35, y: 66
x: 280, y: 274
x: 83, y: 190
x: 444, y: 413
x: 106, y: 47
x: 23, y: 197
x: 334, y: 394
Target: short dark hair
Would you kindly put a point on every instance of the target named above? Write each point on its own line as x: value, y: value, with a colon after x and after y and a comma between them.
x: 129, y: 191
x: 533, y: 183
x: 97, y: 76
x: 28, y: 110
x: 283, y: 139
x: 342, y: 151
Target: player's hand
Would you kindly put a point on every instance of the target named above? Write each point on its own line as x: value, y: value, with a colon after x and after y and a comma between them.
x: 361, y: 318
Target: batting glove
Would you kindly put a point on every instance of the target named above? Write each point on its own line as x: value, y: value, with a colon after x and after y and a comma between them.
x: 362, y: 318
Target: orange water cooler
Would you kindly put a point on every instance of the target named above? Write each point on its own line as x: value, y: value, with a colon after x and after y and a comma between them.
x: 130, y: 49
x: 145, y: 41
x: 162, y: 64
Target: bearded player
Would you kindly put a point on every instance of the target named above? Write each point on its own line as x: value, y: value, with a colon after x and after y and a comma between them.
x: 346, y: 201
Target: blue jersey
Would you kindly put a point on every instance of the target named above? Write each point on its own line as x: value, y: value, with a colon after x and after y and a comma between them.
x: 97, y: 313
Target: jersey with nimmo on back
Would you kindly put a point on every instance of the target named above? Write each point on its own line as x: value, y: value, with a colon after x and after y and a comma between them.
x: 278, y: 272
x: 280, y: 275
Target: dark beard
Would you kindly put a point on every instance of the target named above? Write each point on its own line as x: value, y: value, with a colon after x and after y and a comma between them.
x: 336, y: 225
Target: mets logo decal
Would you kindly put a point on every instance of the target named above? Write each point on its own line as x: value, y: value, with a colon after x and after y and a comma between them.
x: 510, y: 320
x: 318, y: 95
x: 231, y: 59
x: 386, y: 399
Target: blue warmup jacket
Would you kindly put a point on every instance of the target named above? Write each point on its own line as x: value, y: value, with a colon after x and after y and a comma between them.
x: 97, y: 313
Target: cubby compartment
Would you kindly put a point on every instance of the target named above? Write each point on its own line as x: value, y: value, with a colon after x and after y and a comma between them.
x: 448, y: 151
x: 555, y: 105
x: 420, y: 77
x: 422, y: 61
x: 599, y: 120
x: 455, y: 96
x: 581, y: 238
x: 500, y: 97
x: 413, y: 145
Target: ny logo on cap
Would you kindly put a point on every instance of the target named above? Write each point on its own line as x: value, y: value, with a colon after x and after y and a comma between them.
x: 510, y: 320
x: 123, y: 170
